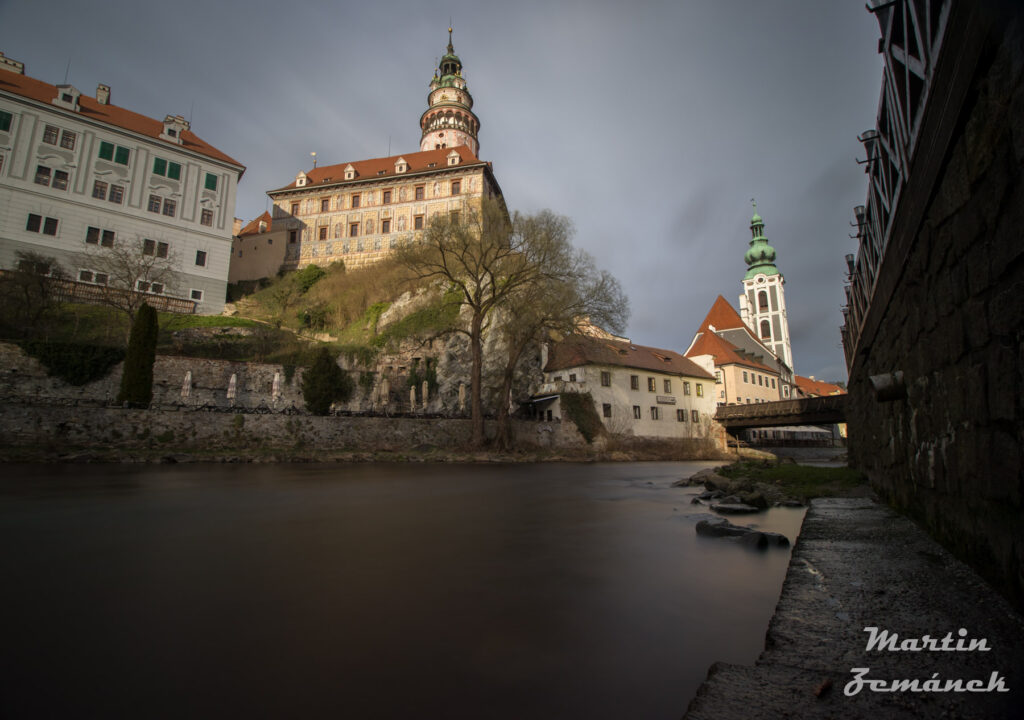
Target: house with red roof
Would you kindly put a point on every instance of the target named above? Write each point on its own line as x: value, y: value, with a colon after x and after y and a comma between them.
x: 81, y: 177
x: 636, y: 390
x: 358, y: 211
x: 746, y: 371
x: 257, y: 250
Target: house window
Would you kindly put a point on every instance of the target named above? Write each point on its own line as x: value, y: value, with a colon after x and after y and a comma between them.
x: 606, y: 410
x: 718, y: 377
x: 694, y: 416
x: 116, y: 194
x: 385, y: 226
x: 686, y: 387
x: 773, y: 383
x: 417, y: 222
x: 606, y: 379
x: 355, y: 200
x: 165, y: 168
x: 95, y: 236
x: 142, y: 286
x: 42, y: 175
x: 325, y: 204
x: 680, y: 415
x: 151, y: 247
x: 760, y: 379
x: 456, y: 187
x: 34, y: 222
x: 668, y: 386
x: 211, y: 181
x: 634, y: 382
x: 454, y: 217
x: 292, y: 236
x: 636, y: 412
x: 386, y: 197
x: 118, y: 154
x: 700, y: 389
x: 154, y: 204
x: 67, y: 140
x: 295, y: 208
x: 196, y: 294
x: 206, y: 217
x: 651, y: 387
x: 60, y: 180
x: 762, y: 300
x: 201, y: 258
x: 323, y: 232
x: 744, y: 376
x: 50, y: 135
x: 50, y: 226
x: 99, y: 190
x: 420, y: 192
x: 169, y: 207
x: 766, y: 330
x: 5, y: 121
x: 654, y: 412
x: 353, y: 230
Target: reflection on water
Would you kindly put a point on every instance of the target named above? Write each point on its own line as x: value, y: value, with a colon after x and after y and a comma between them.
x: 370, y: 591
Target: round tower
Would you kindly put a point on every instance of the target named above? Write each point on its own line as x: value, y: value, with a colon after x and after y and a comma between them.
x: 449, y: 120
x: 763, y: 302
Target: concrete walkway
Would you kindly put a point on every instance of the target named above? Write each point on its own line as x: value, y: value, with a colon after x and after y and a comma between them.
x: 859, y: 564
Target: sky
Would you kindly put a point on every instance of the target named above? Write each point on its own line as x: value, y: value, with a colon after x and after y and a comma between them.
x: 651, y: 125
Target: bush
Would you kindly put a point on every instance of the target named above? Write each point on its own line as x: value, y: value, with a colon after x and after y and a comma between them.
x: 308, y: 276
x: 579, y: 407
x: 325, y: 383
x: 73, y: 363
x: 137, y: 378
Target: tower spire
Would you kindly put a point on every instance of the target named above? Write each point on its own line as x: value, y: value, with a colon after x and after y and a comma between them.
x: 763, y: 302
x: 449, y: 120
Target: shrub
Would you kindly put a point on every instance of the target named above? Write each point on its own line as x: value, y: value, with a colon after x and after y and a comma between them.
x: 73, y: 363
x: 137, y: 378
x: 325, y: 383
x: 308, y: 276
x: 579, y: 407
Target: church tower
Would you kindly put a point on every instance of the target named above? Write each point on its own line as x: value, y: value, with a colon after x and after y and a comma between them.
x: 449, y: 120
x: 763, y: 302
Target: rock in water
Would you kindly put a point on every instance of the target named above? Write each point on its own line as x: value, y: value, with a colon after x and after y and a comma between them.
x: 734, y: 508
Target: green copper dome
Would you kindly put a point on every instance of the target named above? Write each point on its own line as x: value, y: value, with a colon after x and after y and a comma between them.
x: 760, y: 256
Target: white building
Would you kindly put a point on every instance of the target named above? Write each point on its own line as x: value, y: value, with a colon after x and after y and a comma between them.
x: 637, y: 390
x: 763, y: 302
x: 78, y: 174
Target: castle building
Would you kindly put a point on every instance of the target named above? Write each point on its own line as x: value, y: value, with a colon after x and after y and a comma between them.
x: 359, y: 211
x: 81, y: 179
x: 763, y: 302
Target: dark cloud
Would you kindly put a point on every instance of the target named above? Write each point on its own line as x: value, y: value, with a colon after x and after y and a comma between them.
x: 650, y: 124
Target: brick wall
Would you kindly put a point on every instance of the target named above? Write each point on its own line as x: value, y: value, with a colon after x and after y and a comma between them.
x: 950, y: 453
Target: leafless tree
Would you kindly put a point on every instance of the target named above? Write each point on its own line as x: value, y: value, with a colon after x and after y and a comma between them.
x: 28, y: 291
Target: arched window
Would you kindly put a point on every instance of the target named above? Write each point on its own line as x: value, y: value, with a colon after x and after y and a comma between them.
x: 766, y: 330
x: 762, y: 300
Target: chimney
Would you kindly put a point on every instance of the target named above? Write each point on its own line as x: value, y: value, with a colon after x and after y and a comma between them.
x: 103, y: 94
x: 11, y: 65
x: 236, y: 227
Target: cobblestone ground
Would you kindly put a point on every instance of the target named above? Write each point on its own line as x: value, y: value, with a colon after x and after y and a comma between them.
x: 859, y: 564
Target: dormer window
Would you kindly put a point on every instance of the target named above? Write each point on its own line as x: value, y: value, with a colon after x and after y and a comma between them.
x: 454, y: 158
x: 401, y: 166
x: 67, y: 97
x: 350, y: 172
x: 381, y: 172
x: 300, y: 180
x: 174, y: 126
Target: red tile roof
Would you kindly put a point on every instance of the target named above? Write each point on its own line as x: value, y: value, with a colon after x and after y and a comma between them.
x: 723, y: 351
x: 253, y: 228
x: 577, y: 350
x: 723, y: 316
x: 92, y: 109
x: 816, y: 388
x: 374, y: 168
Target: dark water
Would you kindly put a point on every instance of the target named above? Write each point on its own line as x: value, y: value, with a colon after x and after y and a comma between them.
x: 369, y: 591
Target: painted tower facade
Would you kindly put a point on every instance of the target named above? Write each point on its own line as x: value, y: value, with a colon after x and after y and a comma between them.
x: 449, y: 120
x: 763, y: 302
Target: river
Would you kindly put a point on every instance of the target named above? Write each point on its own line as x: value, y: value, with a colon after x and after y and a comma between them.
x: 370, y: 591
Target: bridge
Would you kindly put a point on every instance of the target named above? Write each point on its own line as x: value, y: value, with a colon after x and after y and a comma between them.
x: 824, y: 410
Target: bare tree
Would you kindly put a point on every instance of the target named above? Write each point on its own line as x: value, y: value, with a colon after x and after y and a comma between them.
x: 483, y: 256
x: 567, y: 293
x: 133, y: 270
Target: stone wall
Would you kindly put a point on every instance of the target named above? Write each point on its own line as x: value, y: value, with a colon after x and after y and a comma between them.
x: 950, y: 452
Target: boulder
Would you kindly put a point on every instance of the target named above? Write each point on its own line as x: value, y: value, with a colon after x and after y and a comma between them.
x: 710, y: 495
x: 755, y: 499
x: 734, y: 509
x: 745, y: 535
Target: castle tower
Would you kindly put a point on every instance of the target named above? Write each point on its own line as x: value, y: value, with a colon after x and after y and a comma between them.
x: 763, y: 302
x: 449, y: 120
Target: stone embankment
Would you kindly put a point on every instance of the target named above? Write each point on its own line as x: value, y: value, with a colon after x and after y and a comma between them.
x: 857, y: 565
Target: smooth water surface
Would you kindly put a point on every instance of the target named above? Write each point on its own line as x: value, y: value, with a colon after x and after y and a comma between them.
x: 370, y: 591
